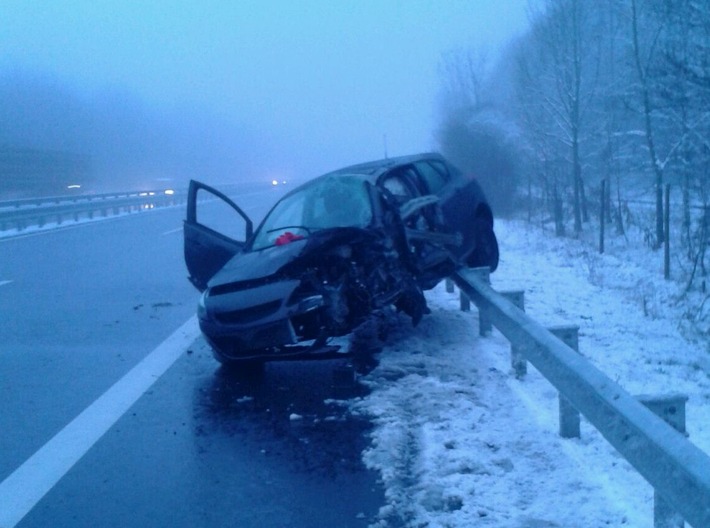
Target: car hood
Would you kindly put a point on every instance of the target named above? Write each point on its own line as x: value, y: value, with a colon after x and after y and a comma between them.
x: 252, y: 265
x: 255, y: 265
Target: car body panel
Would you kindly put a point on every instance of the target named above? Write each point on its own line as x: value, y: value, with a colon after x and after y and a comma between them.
x: 333, y: 252
x: 253, y: 265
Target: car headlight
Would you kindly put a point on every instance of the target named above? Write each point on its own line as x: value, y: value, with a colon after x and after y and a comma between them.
x: 201, y: 309
x: 310, y: 303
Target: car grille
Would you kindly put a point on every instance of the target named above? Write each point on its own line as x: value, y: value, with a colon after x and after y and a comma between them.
x: 248, y: 315
x: 232, y: 287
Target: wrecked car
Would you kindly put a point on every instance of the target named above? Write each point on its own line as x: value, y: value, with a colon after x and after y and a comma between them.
x: 333, y: 253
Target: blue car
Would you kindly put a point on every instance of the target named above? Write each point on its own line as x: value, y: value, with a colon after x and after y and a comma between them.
x: 332, y: 254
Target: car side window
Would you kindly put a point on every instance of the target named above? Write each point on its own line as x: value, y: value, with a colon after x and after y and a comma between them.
x: 217, y: 215
x: 399, y: 187
x: 404, y: 183
x: 434, y: 174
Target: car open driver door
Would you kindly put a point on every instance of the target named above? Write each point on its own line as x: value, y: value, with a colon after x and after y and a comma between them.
x: 208, y: 249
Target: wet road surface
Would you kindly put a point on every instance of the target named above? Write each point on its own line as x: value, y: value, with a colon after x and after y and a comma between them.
x: 80, y: 308
x: 206, y: 447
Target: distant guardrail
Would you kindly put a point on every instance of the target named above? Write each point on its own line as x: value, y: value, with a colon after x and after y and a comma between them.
x: 678, y: 470
x: 21, y: 214
x: 44, y: 201
x: 29, y: 212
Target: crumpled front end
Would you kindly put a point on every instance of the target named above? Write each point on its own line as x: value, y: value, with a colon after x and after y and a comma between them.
x: 312, y: 290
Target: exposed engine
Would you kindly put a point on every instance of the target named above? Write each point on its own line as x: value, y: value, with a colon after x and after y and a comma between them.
x: 356, y: 273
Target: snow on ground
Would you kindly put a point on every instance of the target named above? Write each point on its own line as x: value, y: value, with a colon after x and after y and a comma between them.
x: 460, y: 442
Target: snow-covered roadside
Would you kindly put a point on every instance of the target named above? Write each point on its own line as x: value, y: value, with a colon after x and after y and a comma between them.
x: 459, y: 441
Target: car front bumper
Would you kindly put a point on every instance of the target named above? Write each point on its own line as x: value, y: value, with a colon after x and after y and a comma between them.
x: 250, y: 323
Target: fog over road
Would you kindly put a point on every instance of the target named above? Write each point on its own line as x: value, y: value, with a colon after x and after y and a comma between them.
x: 272, y: 88
x: 82, y: 306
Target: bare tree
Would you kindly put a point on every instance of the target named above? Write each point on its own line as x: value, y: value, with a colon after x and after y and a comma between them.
x: 642, y: 62
x: 560, y: 68
x: 684, y: 73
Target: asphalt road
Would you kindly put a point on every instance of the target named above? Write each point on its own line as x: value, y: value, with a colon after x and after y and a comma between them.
x: 81, y: 308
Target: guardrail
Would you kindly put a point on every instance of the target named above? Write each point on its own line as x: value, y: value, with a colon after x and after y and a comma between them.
x: 78, y: 198
x: 678, y: 471
x: 21, y: 214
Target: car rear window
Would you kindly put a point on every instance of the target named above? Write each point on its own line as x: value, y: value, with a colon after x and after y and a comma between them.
x: 434, y: 174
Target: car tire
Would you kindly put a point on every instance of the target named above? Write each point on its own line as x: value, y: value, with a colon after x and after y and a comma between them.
x: 366, y: 342
x: 486, y: 252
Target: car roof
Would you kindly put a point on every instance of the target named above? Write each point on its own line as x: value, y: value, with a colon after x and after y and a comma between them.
x: 371, y: 170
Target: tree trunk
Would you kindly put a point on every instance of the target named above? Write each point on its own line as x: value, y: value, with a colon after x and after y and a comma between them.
x: 655, y: 165
x: 558, y: 213
x: 619, y: 210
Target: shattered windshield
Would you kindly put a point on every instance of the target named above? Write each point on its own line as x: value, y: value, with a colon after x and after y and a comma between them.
x: 335, y: 201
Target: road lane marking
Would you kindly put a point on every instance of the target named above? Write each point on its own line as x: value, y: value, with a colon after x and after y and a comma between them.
x: 4, y: 282
x: 172, y: 231
x: 26, y: 486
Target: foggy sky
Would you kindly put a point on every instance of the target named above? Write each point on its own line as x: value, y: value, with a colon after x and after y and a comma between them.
x: 318, y: 84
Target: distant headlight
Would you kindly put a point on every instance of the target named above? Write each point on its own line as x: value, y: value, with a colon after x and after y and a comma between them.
x: 169, y: 191
x: 274, y: 182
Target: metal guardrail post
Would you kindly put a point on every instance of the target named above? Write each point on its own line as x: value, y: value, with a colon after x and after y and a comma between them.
x: 569, y: 415
x: 449, y: 286
x: 676, y: 468
x: 464, y: 302
x: 517, y: 358
x: 671, y: 408
x: 485, y: 326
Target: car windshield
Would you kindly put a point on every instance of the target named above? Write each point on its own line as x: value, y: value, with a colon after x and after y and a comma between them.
x: 331, y: 201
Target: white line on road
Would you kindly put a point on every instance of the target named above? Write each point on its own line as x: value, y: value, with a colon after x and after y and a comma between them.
x: 172, y: 231
x: 26, y: 486
x: 4, y: 282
